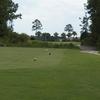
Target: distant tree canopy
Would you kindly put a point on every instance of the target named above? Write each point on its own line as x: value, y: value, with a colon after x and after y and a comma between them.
x: 46, y: 37
x: 37, y: 25
x: 70, y: 31
x: 56, y: 36
x: 7, y: 14
x: 38, y: 35
x: 68, y: 28
x: 74, y: 33
x: 63, y: 36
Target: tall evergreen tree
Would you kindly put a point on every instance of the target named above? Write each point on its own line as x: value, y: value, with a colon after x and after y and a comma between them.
x: 94, y: 11
x: 37, y: 25
x: 68, y: 28
x: 84, y: 24
x: 7, y: 14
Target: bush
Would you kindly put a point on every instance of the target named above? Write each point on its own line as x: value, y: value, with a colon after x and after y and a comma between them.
x: 14, y: 39
x: 53, y: 45
x: 2, y: 44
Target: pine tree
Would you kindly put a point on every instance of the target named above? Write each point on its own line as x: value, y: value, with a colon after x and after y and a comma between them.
x: 93, y: 8
x: 7, y: 14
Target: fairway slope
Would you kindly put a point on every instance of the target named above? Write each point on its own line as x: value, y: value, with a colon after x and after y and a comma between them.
x: 64, y: 75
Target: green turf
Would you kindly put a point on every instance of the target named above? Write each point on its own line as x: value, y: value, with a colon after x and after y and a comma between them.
x: 63, y: 75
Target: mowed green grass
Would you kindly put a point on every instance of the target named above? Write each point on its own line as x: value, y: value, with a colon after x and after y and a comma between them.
x: 64, y: 75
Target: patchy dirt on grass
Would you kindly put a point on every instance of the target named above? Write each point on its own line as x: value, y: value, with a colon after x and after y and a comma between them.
x: 91, y: 50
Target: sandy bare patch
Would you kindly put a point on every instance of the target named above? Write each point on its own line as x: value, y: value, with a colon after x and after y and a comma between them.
x: 91, y: 52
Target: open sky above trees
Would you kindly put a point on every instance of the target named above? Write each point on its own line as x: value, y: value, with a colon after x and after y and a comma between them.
x: 53, y: 14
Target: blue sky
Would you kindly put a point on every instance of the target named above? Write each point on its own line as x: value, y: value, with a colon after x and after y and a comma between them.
x: 53, y: 14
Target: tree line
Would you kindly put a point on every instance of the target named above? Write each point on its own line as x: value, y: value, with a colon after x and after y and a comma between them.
x: 69, y: 35
x: 90, y: 34
x: 8, y: 14
x: 90, y: 31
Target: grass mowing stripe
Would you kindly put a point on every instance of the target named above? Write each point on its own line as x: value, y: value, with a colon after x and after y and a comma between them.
x: 12, y: 58
x: 65, y: 75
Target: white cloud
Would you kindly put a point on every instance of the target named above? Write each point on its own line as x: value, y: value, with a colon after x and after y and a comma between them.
x: 54, y: 14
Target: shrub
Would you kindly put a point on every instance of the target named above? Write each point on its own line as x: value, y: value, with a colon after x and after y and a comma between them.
x: 53, y: 45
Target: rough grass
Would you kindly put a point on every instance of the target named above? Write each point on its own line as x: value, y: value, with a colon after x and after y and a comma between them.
x: 75, y: 43
x: 64, y: 75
